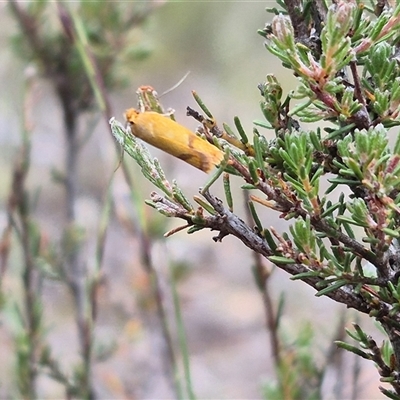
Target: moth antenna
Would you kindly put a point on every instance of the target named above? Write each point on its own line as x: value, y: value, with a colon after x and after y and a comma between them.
x: 176, y: 85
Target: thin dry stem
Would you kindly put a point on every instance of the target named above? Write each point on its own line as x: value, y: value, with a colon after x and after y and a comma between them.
x: 170, y: 364
x: 270, y: 313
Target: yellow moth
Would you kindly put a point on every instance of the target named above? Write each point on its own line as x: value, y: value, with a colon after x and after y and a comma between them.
x: 173, y: 138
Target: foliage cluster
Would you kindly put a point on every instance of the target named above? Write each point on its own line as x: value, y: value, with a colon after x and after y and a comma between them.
x: 338, y: 185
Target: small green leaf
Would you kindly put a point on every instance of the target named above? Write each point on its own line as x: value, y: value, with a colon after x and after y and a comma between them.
x: 281, y: 260
x: 353, y: 349
x: 331, y: 288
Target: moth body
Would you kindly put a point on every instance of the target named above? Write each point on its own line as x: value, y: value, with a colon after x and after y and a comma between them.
x: 167, y: 135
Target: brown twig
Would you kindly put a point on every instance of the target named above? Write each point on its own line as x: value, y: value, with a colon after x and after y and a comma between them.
x: 286, y: 205
x: 227, y: 223
x: 301, y: 29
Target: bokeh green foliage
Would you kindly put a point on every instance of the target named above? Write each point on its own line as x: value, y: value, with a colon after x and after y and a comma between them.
x: 338, y: 184
x: 114, y: 33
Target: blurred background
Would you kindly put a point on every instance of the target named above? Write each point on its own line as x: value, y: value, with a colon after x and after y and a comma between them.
x: 222, y: 310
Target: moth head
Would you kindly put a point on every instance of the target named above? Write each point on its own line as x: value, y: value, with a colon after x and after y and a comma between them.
x: 130, y: 116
